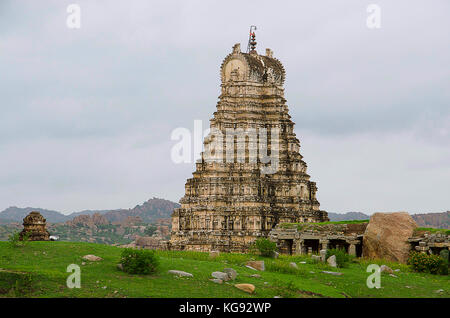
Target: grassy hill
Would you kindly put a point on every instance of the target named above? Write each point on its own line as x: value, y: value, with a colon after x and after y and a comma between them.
x: 39, y: 270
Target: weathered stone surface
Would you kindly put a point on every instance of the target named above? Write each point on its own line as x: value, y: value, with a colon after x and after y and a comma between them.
x: 216, y: 280
x: 386, y: 269
x: 323, y: 255
x: 258, y: 265
x: 332, y: 261
x: 275, y: 254
x: 232, y: 274
x: 220, y: 275
x: 180, y: 273
x: 255, y: 276
x: 248, y: 288
x: 34, y: 226
x: 316, y: 258
x: 229, y: 202
x: 148, y: 242
x: 120, y: 267
x: 332, y: 273
x: 92, y: 258
x: 214, y: 254
x: 386, y: 236
x: 293, y: 265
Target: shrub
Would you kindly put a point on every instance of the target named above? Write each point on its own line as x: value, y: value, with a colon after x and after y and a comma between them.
x: 421, y: 262
x: 15, y: 241
x: 139, y: 261
x: 444, y: 254
x: 150, y: 230
x: 265, y: 247
x: 342, y: 258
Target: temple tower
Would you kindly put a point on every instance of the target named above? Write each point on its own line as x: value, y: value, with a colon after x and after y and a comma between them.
x: 251, y: 175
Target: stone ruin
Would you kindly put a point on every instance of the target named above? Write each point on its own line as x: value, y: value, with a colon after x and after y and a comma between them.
x: 310, y: 238
x: 431, y: 243
x: 228, y: 204
x: 34, y: 225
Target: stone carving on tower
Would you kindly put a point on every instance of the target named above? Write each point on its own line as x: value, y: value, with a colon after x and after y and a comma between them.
x: 34, y: 228
x: 251, y: 175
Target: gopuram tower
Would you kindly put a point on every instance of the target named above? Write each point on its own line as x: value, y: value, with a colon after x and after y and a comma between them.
x: 251, y: 175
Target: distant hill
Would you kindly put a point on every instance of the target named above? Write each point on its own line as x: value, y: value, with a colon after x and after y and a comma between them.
x: 15, y: 214
x: 347, y: 216
x: 437, y: 220
x: 149, y: 212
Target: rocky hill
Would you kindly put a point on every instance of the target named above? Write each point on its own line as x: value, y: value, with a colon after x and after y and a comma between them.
x: 347, y: 216
x: 15, y: 214
x: 149, y: 212
x: 436, y: 220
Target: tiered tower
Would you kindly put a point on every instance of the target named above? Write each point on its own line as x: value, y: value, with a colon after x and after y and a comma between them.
x: 243, y: 186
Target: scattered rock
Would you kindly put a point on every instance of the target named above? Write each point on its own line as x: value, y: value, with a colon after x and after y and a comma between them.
x: 220, y: 275
x: 439, y: 291
x: 248, y: 288
x: 92, y: 258
x: 332, y: 261
x: 275, y: 254
x: 386, y: 236
x: 302, y: 262
x: 386, y: 269
x: 214, y: 254
x: 255, y: 276
x: 311, y: 272
x: 216, y: 280
x: 180, y: 273
x: 396, y: 270
x: 316, y: 258
x: 258, y: 265
x: 293, y: 265
x: 277, y: 297
x: 232, y: 274
x: 332, y: 273
x: 83, y: 263
x: 323, y: 255
x: 120, y: 267
x: 392, y: 275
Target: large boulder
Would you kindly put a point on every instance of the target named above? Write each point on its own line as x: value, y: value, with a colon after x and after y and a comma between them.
x: 386, y: 236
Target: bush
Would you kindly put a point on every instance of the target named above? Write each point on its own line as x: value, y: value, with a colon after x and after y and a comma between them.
x: 150, y: 230
x: 139, y: 261
x: 265, y: 247
x: 15, y: 241
x: 444, y: 254
x: 342, y: 258
x: 421, y: 262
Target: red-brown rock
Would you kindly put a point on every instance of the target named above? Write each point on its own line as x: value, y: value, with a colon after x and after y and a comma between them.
x: 386, y: 236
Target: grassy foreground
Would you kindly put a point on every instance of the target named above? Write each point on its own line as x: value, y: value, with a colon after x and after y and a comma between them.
x: 39, y: 270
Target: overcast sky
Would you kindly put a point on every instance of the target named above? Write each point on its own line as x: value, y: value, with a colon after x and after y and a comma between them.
x: 86, y: 114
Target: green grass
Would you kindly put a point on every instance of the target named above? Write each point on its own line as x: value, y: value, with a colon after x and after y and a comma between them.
x: 39, y: 270
x: 432, y: 230
x: 318, y: 225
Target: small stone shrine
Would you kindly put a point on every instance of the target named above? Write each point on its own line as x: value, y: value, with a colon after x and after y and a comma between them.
x: 34, y: 224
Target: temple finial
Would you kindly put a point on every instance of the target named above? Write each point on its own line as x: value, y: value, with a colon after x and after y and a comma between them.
x: 251, y: 40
